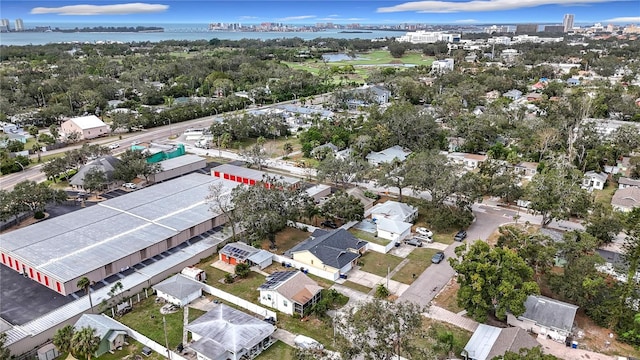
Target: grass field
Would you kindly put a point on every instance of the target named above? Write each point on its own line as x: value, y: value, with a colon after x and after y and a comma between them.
x: 604, y: 196
x: 277, y: 351
x: 377, y: 263
x: 146, y: 319
x: 286, y: 239
x: 243, y: 288
x: 357, y: 287
x: 419, y: 260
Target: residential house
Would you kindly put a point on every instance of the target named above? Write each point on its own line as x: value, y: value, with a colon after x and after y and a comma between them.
x: 394, y: 153
x: 513, y: 94
x: 89, y: 127
x: 111, y: 333
x: 6, y: 137
x: 594, y: 180
x: 625, y: 182
x: 248, y: 176
x: 573, y: 82
x: 291, y: 292
x: 333, y: 251
x: 179, y: 290
x: 106, y: 164
x: 469, y: 161
x: 344, y: 154
x: 546, y: 317
x: 526, y: 169
x: 626, y: 199
x: 392, y: 230
x: 224, y: 333
x: 614, y: 260
x: 323, y: 150
x: 395, y: 211
x: 319, y: 191
x: 368, y: 95
x: 533, y: 97
x: 441, y: 66
x: 359, y: 194
x: 240, y: 253
x: 488, y: 342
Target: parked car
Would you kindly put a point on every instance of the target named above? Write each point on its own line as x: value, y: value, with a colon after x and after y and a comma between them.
x: 424, y: 231
x: 437, y: 257
x: 114, y: 146
x: 460, y: 235
x: 414, y: 242
x: 131, y: 186
x: 135, y: 142
x: 329, y: 224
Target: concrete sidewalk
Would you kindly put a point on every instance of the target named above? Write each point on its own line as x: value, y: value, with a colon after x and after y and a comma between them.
x: 371, y: 281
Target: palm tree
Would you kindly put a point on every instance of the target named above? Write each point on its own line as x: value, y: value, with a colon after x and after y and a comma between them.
x: 62, y: 338
x: 85, y: 283
x: 84, y: 343
x: 445, y: 343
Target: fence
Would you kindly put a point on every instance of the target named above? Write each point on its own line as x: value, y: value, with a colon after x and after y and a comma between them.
x: 240, y: 302
x: 333, y: 276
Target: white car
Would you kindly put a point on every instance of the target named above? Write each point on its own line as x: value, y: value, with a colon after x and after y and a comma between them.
x: 135, y: 142
x: 131, y: 186
x: 114, y: 146
x: 424, y: 231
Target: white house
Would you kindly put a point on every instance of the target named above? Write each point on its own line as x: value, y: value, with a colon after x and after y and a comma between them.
x: 594, y: 180
x: 224, y: 333
x: 442, y: 65
x: 388, y: 155
x: 546, y: 317
x: 395, y: 211
x: 179, y: 290
x: 88, y: 127
x: 469, y: 161
x: 290, y: 292
x: 392, y: 230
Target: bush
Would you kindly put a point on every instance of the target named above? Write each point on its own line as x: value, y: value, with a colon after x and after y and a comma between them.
x: 38, y: 215
x: 382, y: 292
x: 243, y: 270
x: 228, y: 278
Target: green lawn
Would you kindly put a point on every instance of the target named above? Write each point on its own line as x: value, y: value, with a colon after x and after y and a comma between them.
x: 134, y: 348
x: 377, y: 263
x: 357, y: 287
x: 604, y: 196
x: 444, y: 238
x: 310, y: 326
x: 419, y: 260
x: 277, y: 351
x: 146, y: 318
x: 368, y: 237
x: 243, y: 288
x: 286, y: 239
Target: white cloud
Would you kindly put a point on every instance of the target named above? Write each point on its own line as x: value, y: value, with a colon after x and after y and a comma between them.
x: 115, y: 9
x: 466, y: 21
x: 300, y: 17
x: 624, y: 20
x: 439, y: 6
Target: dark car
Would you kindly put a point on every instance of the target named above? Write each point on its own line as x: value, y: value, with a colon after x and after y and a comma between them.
x: 414, y: 242
x: 437, y: 257
x: 460, y: 235
x: 329, y: 224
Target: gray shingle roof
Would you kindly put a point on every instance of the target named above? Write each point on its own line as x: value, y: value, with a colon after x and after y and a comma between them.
x: 549, y: 312
x: 178, y: 286
x: 334, y: 248
x: 226, y: 328
x: 488, y: 342
x: 102, y: 323
x: 106, y: 164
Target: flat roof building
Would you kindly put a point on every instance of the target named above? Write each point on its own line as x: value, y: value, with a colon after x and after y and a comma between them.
x: 113, y: 235
x: 248, y: 176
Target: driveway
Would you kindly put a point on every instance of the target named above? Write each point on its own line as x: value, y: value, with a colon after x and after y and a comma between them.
x: 371, y: 281
x: 435, y: 277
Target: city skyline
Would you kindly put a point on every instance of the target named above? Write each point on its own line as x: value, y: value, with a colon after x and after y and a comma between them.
x: 461, y: 12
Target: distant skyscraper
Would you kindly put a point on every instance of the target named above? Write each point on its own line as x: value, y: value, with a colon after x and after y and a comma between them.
x: 526, y: 28
x: 567, y: 22
x: 19, y: 25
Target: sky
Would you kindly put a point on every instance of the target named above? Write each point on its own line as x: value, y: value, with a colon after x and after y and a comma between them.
x: 318, y: 11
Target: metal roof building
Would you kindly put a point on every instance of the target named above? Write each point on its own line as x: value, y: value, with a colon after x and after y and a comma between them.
x: 101, y: 240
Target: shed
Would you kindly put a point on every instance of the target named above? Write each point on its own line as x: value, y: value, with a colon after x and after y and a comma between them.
x: 179, y: 290
x: 239, y: 252
x: 194, y: 273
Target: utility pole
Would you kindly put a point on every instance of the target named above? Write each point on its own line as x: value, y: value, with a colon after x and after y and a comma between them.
x: 166, y: 339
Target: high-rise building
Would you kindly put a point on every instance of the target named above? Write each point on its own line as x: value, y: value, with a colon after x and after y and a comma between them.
x: 19, y: 25
x: 526, y: 28
x: 567, y: 22
x: 5, y: 25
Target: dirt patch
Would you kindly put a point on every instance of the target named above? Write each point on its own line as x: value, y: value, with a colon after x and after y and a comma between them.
x: 396, y: 61
x: 447, y: 297
x: 596, y: 338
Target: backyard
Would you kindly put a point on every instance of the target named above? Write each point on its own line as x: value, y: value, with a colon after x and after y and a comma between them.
x: 419, y: 260
x: 286, y: 239
x: 277, y: 351
x: 246, y: 288
x: 146, y: 319
x: 377, y: 263
x: 367, y: 236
